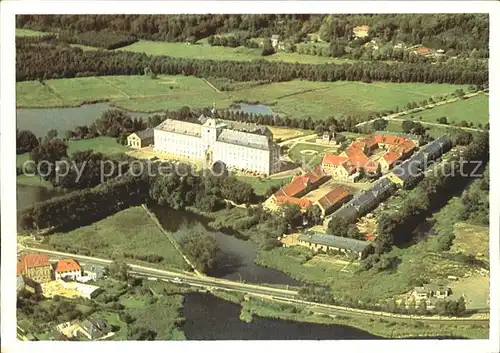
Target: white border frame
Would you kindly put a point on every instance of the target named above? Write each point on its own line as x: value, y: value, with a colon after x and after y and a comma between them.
x: 8, y: 185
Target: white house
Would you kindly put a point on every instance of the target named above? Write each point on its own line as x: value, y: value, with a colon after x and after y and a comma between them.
x: 68, y: 268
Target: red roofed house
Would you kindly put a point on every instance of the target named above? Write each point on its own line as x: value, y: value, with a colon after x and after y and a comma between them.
x: 361, y: 31
x: 422, y: 51
x: 68, y: 268
x: 35, y: 267
x: 333, y: 200
x: 339, y: 167
x: 388, y: 160
x: 301, y: 202
x: 360, y: 160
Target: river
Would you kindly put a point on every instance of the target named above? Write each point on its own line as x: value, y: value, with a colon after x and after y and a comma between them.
x: 235, y: 257
x: 211, y: 318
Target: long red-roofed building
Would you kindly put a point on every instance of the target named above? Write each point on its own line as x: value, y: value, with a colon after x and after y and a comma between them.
x: 333, y: 200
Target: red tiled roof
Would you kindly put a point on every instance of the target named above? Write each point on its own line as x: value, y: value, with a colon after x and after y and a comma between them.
x: 32, y: 261
x: 371, y: 142
x: 408, y: 146
x: 297, y: 185
x: 356, y: 156
x: 391, y: 157
x: 334, y: 197
x: 67, y: 265
x: 370, y: 166
x: 422, y: 51
x: 362, y: 28
x: 303, y: 203
x: 332, y: 159
x: 369, y: 237
x: 315, y: 174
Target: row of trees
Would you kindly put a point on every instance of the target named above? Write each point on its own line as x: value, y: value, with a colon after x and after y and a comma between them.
x: 60, y: 62
x: 321, y: 294
x: 430, y: 193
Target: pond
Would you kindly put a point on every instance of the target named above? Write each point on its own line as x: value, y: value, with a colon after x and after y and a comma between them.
x: 41, y: 120
x: 235, y: 257
x: 252, y: 108
x: 211, y: 318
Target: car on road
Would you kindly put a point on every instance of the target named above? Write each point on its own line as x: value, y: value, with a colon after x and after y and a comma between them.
x: 177, y: 280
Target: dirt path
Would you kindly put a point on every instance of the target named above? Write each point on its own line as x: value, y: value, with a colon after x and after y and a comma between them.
x: 103, y: 79
x: 212, y: 86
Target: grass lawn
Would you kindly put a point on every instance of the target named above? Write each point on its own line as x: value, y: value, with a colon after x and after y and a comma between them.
x: 104, y: 144
x: 261, y: 186
x: 312, y: 154
x: 296, y: 98
x: 21, y: 32
x: 201, y: 51
x: 433, y: 130
x: 475, y: 110
x: 126, y: 233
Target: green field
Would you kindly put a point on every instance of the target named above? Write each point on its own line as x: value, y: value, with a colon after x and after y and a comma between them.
x: 313, y: 159
x: 103, y: 144
x: 475, y: 110
x: 261, y: 186
x: 294, y: 98
x: 201, y: 51
x: 125, y: 233
x: 21, y: 32
x: 433, y: 130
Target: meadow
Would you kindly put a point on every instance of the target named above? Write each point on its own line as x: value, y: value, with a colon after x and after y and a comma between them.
x: 473, y: 110
x: 296, y: 98
x: 106, y: 239
x: 202, y: 51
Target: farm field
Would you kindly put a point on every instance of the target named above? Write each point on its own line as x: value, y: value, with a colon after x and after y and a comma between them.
x: 433, y: 130
x: 294, y: 98
x: 473, y: 110
x: 105, y: 238
x: 201, y: 51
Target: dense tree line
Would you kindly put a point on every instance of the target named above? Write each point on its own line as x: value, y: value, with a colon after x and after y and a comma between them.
x: 461, y: 33
x: 87, y: 206
x: 476, y: 202
x: 430, y: 193
x: 200, y: 246
x: 54, y: 61
x: 101, y: 39
x: 321, y: 294
x: 174, y: 28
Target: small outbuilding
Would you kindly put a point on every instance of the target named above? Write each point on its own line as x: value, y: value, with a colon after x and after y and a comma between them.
x: 141, y: 139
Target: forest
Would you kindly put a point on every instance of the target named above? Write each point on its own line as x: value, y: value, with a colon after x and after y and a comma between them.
x: 459, y: 32
x: 51, y: 61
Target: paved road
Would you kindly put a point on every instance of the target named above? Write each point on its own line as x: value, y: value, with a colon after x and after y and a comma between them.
x: 278, y: 294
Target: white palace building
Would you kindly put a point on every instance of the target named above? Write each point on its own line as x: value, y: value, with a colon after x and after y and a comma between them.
x: 238, y: 145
